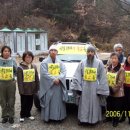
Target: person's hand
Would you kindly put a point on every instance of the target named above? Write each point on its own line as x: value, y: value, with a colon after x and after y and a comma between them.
x: 111, y: 90
x: 56, y: 81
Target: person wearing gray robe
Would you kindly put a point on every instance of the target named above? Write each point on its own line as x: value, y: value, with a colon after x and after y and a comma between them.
x: 53, y: 93
x: 90, y: 93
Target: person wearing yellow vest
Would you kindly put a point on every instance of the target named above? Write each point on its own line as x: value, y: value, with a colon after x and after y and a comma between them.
x: 53, y: 92
x: 28, y: 84
x: 127, y: 87
x: 115, y: 102
x: 8, y: 69
x: 90, y: 85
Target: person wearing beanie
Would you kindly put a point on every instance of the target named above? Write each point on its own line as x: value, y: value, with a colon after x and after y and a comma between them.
x: 53, y: 92
x: 118, y: 48
x: 90, y: 85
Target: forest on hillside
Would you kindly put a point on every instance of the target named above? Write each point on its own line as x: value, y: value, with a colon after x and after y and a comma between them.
x: 103, y: 22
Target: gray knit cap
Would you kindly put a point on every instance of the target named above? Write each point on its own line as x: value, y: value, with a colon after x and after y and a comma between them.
x: 118, y: 45
x: 91, y: 48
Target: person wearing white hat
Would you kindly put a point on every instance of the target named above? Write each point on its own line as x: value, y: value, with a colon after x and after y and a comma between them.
x: 118, y: 48
x: 53, y: 47
x: 53, y: 94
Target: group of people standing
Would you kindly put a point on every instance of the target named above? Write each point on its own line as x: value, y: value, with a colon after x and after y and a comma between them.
x: 28, y: 84
x: 118, y: 100
x: 94, y: 86
x: 109, y: 88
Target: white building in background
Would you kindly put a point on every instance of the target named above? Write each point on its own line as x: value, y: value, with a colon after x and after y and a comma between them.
x: 6, y: 38
x: 37, y: 40
x: 20, y: 40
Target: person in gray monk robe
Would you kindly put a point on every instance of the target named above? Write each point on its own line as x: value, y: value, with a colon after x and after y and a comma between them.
x: 53, y: 94
x: 90, y: 84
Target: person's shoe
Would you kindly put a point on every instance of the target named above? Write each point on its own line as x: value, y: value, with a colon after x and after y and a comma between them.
x: 122, y: 120
x: 107, y: 120
x: 11, y: 120
x: 83, y: 123
x: 79, y: 123
x: 31, y: 118
x: 129, y: 121
x: 114, y: 124
x: 21, y: 119
x: 46, y: 122
x: 4, y: 120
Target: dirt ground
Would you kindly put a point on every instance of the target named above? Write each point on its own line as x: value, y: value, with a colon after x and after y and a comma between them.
x: 70, y: 123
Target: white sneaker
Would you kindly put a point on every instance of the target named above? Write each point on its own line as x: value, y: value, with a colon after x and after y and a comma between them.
x: 31, y: 118
x: 21, y: 119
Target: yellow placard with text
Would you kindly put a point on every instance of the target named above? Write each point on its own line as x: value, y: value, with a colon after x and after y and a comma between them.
x: 69, y: 49
x: 6, y: 73
x: 54, y: 69
x: 29, y: 75
x: 127, y: 77
x: 90, y: 74
x: 111, y: 77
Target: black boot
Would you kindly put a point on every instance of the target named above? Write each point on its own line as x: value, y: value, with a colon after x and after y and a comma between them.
x: 5, y: 119
x: 11, y: 120
x: 129, y: 121
x: 122, y: 120
x: 115, y: 124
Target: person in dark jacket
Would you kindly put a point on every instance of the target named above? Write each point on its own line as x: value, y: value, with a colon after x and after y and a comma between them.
x: 28, y: 84
x: 127, y: 88
x: 115, y: 102
x: 8, y: 69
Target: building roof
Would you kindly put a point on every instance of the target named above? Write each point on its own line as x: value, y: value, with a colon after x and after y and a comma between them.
x: 34, y: 30
x: 18, y: 30
x: 5, y: 29
x: 28, y: 30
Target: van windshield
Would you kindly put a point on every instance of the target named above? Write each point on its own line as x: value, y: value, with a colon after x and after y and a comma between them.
x: 71, y: 57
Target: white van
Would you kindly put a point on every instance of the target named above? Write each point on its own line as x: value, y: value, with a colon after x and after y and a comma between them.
x: 71, y: 53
